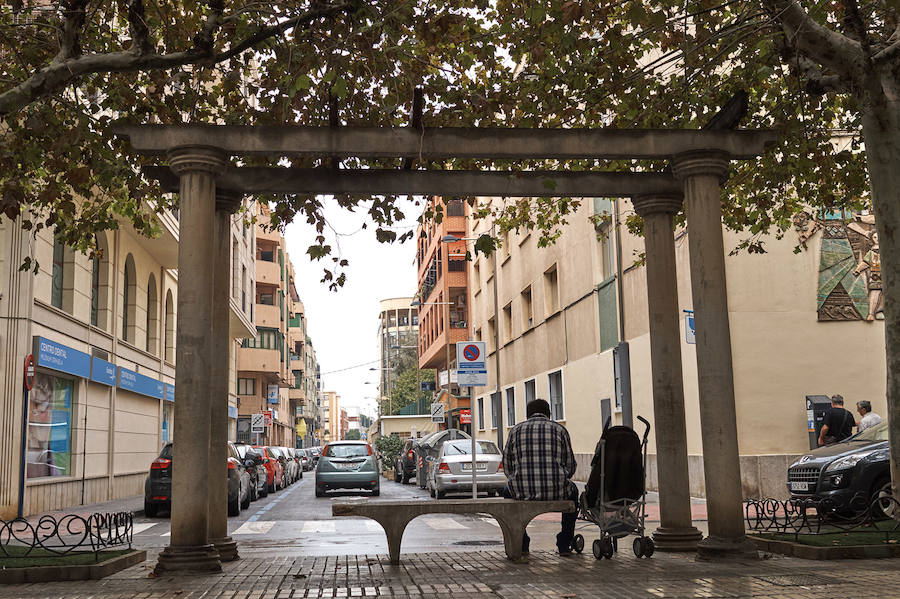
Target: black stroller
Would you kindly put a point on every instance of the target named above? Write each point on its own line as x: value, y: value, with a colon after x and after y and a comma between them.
x: 615, y: 498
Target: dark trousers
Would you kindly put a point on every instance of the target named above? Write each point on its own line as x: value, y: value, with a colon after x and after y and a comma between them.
x: 567, y: 534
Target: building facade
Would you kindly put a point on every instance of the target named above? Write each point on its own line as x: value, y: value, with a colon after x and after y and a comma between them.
x: 444, y: 298
x: 276, y: 370
x: 330, y: 408
x: 798, y: 326
x: 398, y: 331
x: 102, y: 332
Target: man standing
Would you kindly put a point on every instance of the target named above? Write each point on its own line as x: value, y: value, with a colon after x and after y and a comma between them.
x: 869, y: 418
x: 838, y: 423
x: 539, y: 464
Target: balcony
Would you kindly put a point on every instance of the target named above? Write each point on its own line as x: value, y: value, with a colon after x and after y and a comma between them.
x: 259, y: 360
x: 268, y: 316
x: 268, y: 273
x: 268, y: 234
x: 297, y: 395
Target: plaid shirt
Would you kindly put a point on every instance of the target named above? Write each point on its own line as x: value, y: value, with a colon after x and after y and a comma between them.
x: 538, y: 460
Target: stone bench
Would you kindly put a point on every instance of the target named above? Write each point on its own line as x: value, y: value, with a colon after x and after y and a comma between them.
x: 394, y: 514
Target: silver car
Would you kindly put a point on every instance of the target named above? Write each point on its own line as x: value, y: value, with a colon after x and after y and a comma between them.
x: 452, y: 471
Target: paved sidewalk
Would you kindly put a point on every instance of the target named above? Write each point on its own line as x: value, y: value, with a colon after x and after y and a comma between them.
x: 483, y: 574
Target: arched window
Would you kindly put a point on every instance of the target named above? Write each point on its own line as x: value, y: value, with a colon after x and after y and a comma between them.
x: 152, y: 316
x: 62, y: 276
x: 129, y: 301
x: 100, y: 283
x: 170, y: 328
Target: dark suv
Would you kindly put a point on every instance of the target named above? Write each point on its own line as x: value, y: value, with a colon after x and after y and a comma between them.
x: 405, y: 464
x: 850, y: 475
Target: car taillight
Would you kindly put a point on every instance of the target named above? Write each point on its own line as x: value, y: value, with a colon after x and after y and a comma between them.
x: 160, y: 464
x: 500, y: 467
x: 231, y: 465
x: 444, y: 467
x: 409, y: 454
x: 369, y: 447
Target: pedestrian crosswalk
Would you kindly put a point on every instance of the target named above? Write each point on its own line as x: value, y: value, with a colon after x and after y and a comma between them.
x: 340, y: 526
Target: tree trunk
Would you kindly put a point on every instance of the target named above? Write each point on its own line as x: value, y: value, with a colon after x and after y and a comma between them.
x: 881, y: 133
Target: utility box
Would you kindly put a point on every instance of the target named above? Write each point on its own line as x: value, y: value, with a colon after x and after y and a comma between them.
x: 816, y: 408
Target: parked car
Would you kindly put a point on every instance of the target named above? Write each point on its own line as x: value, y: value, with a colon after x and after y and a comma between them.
x: 347, y: 465
x: 253, y: 461
x: 305, y: 460
x: 295, y: 455
x: 274, y: 469
x: 158, y: 485
x: 427, y: 449
x: 314, y: 453
x: 452, y: 471
x: 405, y: 464
x: 287, y: 465
x: 851, y: 474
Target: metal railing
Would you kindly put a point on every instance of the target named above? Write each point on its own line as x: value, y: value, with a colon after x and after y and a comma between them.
x: 811, y: 516
x: 66, y: 534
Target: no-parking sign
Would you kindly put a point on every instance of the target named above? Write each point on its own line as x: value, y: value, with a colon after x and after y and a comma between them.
x: 471, y: 366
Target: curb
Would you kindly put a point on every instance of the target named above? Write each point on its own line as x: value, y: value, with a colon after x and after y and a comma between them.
x: 68, y: 573
x: 802, y: 551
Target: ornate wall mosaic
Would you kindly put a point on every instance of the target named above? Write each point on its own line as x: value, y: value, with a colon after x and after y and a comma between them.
x: 849, y: 266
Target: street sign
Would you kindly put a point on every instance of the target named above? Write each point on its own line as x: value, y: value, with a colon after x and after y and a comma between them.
x: 690, y: 335
x: 29, y: 372
x: 272, y: 394
x: 470, y: 360
x: 268, y: 416
x: 257, y: 423
x: 437, y: 412
x: 465, y: 416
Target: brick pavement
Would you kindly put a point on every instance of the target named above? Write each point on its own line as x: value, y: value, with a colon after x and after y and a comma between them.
x: 483, y: 574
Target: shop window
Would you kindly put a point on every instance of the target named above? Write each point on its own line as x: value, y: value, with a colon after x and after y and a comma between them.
x: 556, y: 395
x: 49, y: 451
x: 152, y: 316
x: 170, y: 328
x: 129, y: 301
x: 166, y: 422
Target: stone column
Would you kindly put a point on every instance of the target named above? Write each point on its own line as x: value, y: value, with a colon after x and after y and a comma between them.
x: 189, y: 549
x: 226, y: 205
x: 702, y: 174
x: 676, y: 531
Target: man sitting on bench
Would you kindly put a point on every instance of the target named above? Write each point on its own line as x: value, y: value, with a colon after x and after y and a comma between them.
x: 539, y: 464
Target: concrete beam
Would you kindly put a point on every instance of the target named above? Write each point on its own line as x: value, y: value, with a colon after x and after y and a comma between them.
x: 250, y: 180
x: 447, y: 142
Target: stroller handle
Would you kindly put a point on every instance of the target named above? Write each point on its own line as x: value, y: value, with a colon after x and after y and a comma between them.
x: 646, y: 427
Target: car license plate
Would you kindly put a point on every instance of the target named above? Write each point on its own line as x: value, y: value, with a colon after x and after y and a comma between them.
x: 799, y: 486
x: 467, y: 466
x: 346, y: 465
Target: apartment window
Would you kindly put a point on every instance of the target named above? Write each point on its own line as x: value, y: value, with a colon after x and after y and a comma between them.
x: 477, y: 334
x: 267, y: 255
x: 507, y: 323
x: 492, y: 338
x: 129, y: 301
x: 170, y: 328
x: 527, y: 309
x: 504, y: 246
x: 476, y: 276
x: 243, y: 289
x: 266, y: 339
x: 267, y: 299
x: 58, y: 276
x: 95, y: 290
x: 152, y: 323
x: 481, y: 413
x: 246, y: 386
x: 556, y: 395
x: 496, y: 414
x: 603, y: 215
x: 234, y: 268
x: 551, y: 290
x: 510, y: 406
x: 529, y: 391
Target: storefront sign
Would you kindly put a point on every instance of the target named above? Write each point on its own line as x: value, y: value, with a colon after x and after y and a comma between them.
x: 103, y: 372
x: 272, y: 394
x: 465, y: 416
x: 170, y: 392
x: 130, y: 380
x: 232, y: 412
x: 57, y: 356
x: 268, y: 417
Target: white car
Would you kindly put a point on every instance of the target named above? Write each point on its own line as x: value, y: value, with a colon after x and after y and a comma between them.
x: 451, y: 472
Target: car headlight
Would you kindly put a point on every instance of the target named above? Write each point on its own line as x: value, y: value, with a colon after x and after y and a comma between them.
x: 848, y: 462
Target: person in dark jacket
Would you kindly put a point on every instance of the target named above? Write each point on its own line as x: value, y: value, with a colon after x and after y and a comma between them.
x: 838, y: 423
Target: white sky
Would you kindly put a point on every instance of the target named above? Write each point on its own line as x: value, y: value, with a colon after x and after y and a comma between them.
x: 343, y: 324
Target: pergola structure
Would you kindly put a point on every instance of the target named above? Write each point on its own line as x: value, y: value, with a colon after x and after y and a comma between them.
x: 198, y: 158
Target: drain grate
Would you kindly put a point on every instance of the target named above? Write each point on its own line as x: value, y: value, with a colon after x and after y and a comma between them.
x: 799, y: 580
x: 478, y: 543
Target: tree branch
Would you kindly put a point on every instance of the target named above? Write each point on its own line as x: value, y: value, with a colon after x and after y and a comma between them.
x: 60, y: 73
x: 206, y: 37
x: 828, y: 48
x: 817, y: 82
x: 74, y: 13
x: 137, y: 25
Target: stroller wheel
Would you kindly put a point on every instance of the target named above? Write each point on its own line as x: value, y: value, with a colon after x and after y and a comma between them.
x: 608, y: 548
x: 638, y: 546
x: 578, y: 543
x: 649, y: 547
x: 597, y: 549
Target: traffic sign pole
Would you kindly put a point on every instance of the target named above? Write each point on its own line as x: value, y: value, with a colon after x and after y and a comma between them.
x: 474, y: 469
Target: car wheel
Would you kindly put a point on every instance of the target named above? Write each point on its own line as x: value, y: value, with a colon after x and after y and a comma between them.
x: 438, y: 494
x: 320, y: 491
x: 492, y: 493
x: 301, y: 474
x: 376, y: 491
x: 882, y: 501
x: 265, y: 491
x: 234, y: 507
x: 150, y: 509
x: 398, y: 474
x: 246, y: 503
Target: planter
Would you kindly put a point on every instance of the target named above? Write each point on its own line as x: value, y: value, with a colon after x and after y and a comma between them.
x: 803, y: 551
x: 94, y: 571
